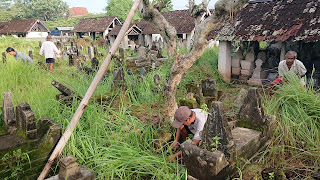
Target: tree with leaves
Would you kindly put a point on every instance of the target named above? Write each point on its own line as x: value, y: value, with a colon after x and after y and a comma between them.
x: 181, y: 63
x: 120, y: 8
x: 43, y: 9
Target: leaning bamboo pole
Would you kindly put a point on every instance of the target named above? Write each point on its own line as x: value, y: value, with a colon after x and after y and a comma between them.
x: 75, y: 119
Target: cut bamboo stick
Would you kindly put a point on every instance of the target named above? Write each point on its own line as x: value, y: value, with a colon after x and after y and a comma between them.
x: 75, y: 119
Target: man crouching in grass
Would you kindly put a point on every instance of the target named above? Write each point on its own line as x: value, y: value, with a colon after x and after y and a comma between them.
x: 187, y: 121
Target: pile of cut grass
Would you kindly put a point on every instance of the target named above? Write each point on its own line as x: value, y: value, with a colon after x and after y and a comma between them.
x: 295, y: 144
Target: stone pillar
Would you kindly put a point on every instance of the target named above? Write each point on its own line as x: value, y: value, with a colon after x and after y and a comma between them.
x: 8, y: 115
x: 26, y: 120
x: 251, y: 111
x: 90, y: 52
x: 140, y: 40
x: 122, y: 53
x: 283, y: 51
x: 217, y: 127
x: 69, y: 167
x: 4, y: 57
x: 224, y: 60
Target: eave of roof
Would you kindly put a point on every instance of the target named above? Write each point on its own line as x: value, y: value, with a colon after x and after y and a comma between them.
x: 273, y: 21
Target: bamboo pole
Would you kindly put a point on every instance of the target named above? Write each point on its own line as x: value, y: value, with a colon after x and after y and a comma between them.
x: 75, y: 119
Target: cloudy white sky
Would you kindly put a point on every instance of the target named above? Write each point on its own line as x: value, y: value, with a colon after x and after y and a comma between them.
x: 97, y: 6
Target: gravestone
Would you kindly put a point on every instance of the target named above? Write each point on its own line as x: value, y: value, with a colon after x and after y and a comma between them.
x: 119, y: 77
x: 69, y: 169
x: 258, y: 74
x: 4, y: 57
x: 251, y: 112
x: 203, y: 164
x: 157, y: 80
x: 8, y: 115
x: 263, y: 56
x: 30, y: 54
x: 209, y: 87
x: 217, y: 127
x: 143, y: 72
x: 90, y: 52
x: 95, y: 63
x: 239, y: 54
x: 142, y: 52
x: 250, y: 56
x: 95, y: 50
x: 26, y: 120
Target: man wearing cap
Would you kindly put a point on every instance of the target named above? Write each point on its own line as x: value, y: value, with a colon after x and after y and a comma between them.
x: 50, y: 50
x: 188, y: 121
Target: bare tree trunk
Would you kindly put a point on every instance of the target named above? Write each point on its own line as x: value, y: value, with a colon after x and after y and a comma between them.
x: 202, y: 29
x: 167, y: 31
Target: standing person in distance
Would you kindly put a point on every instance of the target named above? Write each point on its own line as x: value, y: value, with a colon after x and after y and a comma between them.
x: 50, y: 50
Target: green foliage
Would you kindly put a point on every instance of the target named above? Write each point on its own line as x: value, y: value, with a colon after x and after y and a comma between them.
x: 108, y: 139
x: 296, y: 133
x: 42, y: 9
x: 120, y: 8
x: 215, y: 143
x: 163, y: 5
x: 14, y: 162
x: 5, y: 4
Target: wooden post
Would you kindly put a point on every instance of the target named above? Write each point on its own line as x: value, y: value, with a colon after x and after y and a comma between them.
x: 75, y: 119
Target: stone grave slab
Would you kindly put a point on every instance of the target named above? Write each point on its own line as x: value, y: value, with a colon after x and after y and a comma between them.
x: 246, y: 141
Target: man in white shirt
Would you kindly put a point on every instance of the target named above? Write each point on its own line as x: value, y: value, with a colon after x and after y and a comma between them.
x: 50, y: 50
x: 188, y: 121
x: 293, y: 65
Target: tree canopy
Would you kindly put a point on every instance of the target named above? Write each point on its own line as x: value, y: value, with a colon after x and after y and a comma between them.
x: 120, y: 8
x: 42, y: 9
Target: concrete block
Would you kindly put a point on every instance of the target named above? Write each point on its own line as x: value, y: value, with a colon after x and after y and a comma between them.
x: 245, y: 64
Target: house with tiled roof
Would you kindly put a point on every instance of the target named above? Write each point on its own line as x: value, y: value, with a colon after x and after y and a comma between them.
x: 99, y: 26
x: 180, y: 19
x: 285, y: 25
x: 78, y: 11
x: 30, y: 28
x: 130, y: 39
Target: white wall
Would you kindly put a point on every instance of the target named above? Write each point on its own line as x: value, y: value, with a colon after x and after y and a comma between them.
x: 36, y: 34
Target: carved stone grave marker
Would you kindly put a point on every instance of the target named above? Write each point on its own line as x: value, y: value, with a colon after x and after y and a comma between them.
x: 251, y: 111
x: 8, y: 115
x: 26, y: 120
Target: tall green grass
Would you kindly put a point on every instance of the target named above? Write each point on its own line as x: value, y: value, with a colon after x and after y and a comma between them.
x: 109, y: 139
x: 296, y: 140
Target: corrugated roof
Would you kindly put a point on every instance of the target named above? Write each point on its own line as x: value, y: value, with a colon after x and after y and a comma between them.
x: 22, y: 26
x: 273, y: 21
x: 78, y: 11
x: 98, y: 24
x: 65, y: 28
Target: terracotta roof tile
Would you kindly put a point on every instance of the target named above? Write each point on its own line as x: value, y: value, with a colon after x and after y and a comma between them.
x: 21, y: 26
x: 98, y: 24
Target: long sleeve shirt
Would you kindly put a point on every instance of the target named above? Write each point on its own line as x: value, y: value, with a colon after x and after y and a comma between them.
x: 23, y: 56
x: 49, y: 48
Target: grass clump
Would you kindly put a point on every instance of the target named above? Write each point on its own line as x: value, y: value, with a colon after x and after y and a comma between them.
x: 296, y: 140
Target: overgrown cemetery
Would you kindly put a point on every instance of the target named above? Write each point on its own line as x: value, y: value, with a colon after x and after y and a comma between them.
x: 106, y: 110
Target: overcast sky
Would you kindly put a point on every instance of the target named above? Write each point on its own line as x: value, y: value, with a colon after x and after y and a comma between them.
x: 97, y: 6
